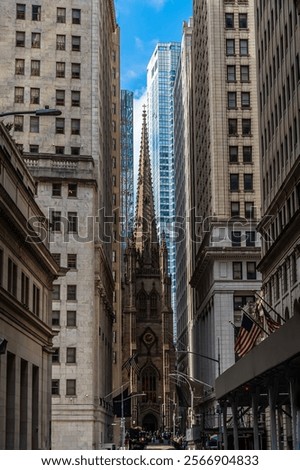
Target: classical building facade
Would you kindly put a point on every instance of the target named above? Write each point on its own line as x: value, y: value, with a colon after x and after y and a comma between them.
x: 66, y: 57
x: 148, y: 351
x: 270, y: 372
x: 27, y: 271
x: 226, y: 185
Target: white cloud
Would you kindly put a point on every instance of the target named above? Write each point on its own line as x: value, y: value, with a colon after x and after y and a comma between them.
x: 137, y: 127
x: 139, y: 43
x: 157, y: 4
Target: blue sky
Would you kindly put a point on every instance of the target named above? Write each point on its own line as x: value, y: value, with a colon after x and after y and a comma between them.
x: 144, y: 23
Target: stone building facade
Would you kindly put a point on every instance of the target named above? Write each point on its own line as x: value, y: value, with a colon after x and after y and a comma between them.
x: 65, y: 56
x: 148, y: 351
x: 27, y: 271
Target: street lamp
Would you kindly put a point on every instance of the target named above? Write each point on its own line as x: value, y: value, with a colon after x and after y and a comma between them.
x: 37, y: 112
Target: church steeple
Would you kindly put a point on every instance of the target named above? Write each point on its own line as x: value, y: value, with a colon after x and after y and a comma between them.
x: 145, y: 232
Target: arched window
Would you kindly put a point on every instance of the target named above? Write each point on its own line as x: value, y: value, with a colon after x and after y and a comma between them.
x: 149, y: 377
x: 153, y: 303
x: 143, y: 303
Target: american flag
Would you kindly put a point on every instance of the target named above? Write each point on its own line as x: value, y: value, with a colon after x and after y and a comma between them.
x: 272, y: 324
x: 247, y: 336
x: 131, y: 362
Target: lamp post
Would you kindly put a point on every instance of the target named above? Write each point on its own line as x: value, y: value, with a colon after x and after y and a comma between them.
x: 218, y: 361
x: 37, y: 112
x: 122, y: 414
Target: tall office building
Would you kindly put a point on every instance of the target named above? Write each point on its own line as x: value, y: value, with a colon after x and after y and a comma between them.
x: 183, y: 197
x: 226, y: 181
x: 161, y: 73
x: 127, y: 166
x: 275, y: 379
x: 65, y: 57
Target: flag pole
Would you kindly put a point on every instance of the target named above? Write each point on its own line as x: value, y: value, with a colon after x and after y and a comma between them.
x: 251, y: 318
x: 273, y: 310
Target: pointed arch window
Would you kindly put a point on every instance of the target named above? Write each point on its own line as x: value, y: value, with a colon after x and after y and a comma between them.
x: 149, y: 383
x: 153, y: 303
x: 143, y: 303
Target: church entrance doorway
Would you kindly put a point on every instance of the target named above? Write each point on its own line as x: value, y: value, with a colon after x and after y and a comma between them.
x: 150, y: 423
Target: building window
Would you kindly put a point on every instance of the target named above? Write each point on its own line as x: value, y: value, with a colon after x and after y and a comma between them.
x: 61, y: 15
x: 231, y: 100
x: 75, y: 70
x: 36, y: 13
x: 55, y: 356
x: 243, y: 20
x: 33, y: 148
x: 242, y: 300
x: 71, y: 318
x: 75, y: 150
x: 34, y: 124
x: 25, y: 290
x: 234, y: 182
x: 19, y: 123
x: 231, y: 73
x: 251, y: 270
x: 55, y: 317
x: 12, y: 277
x: 237, y: 270
x: 233, y: 154
x: 149, y: 384
x: 75, y: 126
x: 236, y: 238
x: 35, y: 300
x: 20, y: 11
x: 59, y: 150
x: 35, y: 68
x: 76, y: 16
x: 232, y: 127
x: 70, y: 387
x: 60, y: 42
x: 19, y: 94
x: 245, y: 99
x: 20, y: 39
x: 246, y: 127
x: 72, y: 261
x: 71, y: 292
x: 60, y: 125
x: 235, y: 209
x: 244, y: 48
x: 245, y: 73
x: 72, y: 222
x: 250, y: 238
x: 56, y: 189
x: 247, y: 154
x: 19, y: 66
x: 60, y: 97
x: 229, y: 20
x: 230, y: 47
x: 34, y: 95
x: 248, y: 182
x: 60, y: 69
x: 76, y: 43
x: 36, y: 40
x: 71, y: 355
x: 75, y: 97
x: 72, y: 190
x: 56, y: 292
x: 249, y: 210
x: 55, y: 387
x: 56, y: 221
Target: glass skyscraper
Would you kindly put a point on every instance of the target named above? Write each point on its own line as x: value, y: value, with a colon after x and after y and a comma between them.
x: 127, y: 167
x: 161, y: 72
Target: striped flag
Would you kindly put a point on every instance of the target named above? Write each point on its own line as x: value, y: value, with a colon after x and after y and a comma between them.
x: 247, y: 336
x: 272, y: 324
x: 131, y: 362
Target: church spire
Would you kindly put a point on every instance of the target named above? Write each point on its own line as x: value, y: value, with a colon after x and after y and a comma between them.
x: 145, y: 232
